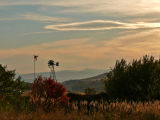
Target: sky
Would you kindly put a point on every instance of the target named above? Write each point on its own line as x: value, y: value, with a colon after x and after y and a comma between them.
x: 79, y: 34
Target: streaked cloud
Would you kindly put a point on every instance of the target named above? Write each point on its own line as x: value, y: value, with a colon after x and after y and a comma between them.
x: 113, y: 29
x: 42, y: 48
x: 60, y: 50
x: 43, y: 18
x: 141, y: 42
x: 35, y: 17
x: 85, y: 53
x: 101, y: 25
x: 102, y: 6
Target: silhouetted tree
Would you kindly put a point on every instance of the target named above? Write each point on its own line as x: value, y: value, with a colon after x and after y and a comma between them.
x: 8, y: 84
x: 138, y: 80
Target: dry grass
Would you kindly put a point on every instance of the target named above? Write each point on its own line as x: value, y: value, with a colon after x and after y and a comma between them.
x: 114, y: 111
x: 134, y: 111
x: 59, y: 115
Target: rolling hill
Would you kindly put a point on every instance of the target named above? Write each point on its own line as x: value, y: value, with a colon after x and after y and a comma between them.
x: 80, y: 85
x: 65, y: 75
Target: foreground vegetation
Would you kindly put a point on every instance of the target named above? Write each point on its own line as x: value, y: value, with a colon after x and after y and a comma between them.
x: 132, y: 93
x: 115, y: 111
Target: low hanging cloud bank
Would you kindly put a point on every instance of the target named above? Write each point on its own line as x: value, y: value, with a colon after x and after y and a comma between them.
x: 101, y: 25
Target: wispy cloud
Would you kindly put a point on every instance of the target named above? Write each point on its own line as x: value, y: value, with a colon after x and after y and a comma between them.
x: 82, y: 53
x: 139, y: 17
x: 35, y: 17
x: 136, y: 43
x: 45, y: 48
x: 37, y: 33
x: 100, y: 25
x: 43, y: 18
x: 102, y: 6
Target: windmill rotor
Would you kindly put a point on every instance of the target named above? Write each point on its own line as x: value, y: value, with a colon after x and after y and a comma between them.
x: 51, y: 64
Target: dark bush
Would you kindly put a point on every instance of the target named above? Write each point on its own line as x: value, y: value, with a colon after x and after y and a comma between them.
x: 138, y: 80
x: 9, y: 85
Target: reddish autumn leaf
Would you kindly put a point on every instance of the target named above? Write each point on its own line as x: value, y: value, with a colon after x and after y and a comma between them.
x: 47, y: 90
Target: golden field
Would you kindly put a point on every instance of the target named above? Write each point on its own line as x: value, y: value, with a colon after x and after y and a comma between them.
x: 114, y: 111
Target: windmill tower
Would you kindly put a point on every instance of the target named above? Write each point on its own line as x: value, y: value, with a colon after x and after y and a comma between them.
x: 51, y: 65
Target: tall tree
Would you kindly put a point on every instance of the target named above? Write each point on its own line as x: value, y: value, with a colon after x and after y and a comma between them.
x: 137, y: 80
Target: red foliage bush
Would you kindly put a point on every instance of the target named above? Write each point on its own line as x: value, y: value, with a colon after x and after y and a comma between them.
x: 46, y: 91
x: 55, y: 90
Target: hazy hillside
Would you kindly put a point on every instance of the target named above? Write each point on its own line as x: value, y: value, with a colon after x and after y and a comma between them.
x: 81, y: 84
x: 66, y: 75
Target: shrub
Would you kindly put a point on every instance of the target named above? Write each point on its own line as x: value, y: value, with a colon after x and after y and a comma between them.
x: 48, y: 94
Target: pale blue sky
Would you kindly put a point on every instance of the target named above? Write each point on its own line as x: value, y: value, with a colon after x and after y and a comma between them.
x: 79, y: 34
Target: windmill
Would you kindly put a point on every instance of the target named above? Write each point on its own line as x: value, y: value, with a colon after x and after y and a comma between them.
x: 51, y: 65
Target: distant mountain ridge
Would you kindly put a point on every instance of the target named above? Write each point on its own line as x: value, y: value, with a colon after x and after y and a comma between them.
x: 65, y: 74
x: 96, y: 82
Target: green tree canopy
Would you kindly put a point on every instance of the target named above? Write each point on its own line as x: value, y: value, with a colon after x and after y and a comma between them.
x: 8, y: 84
x: 137, y: 80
